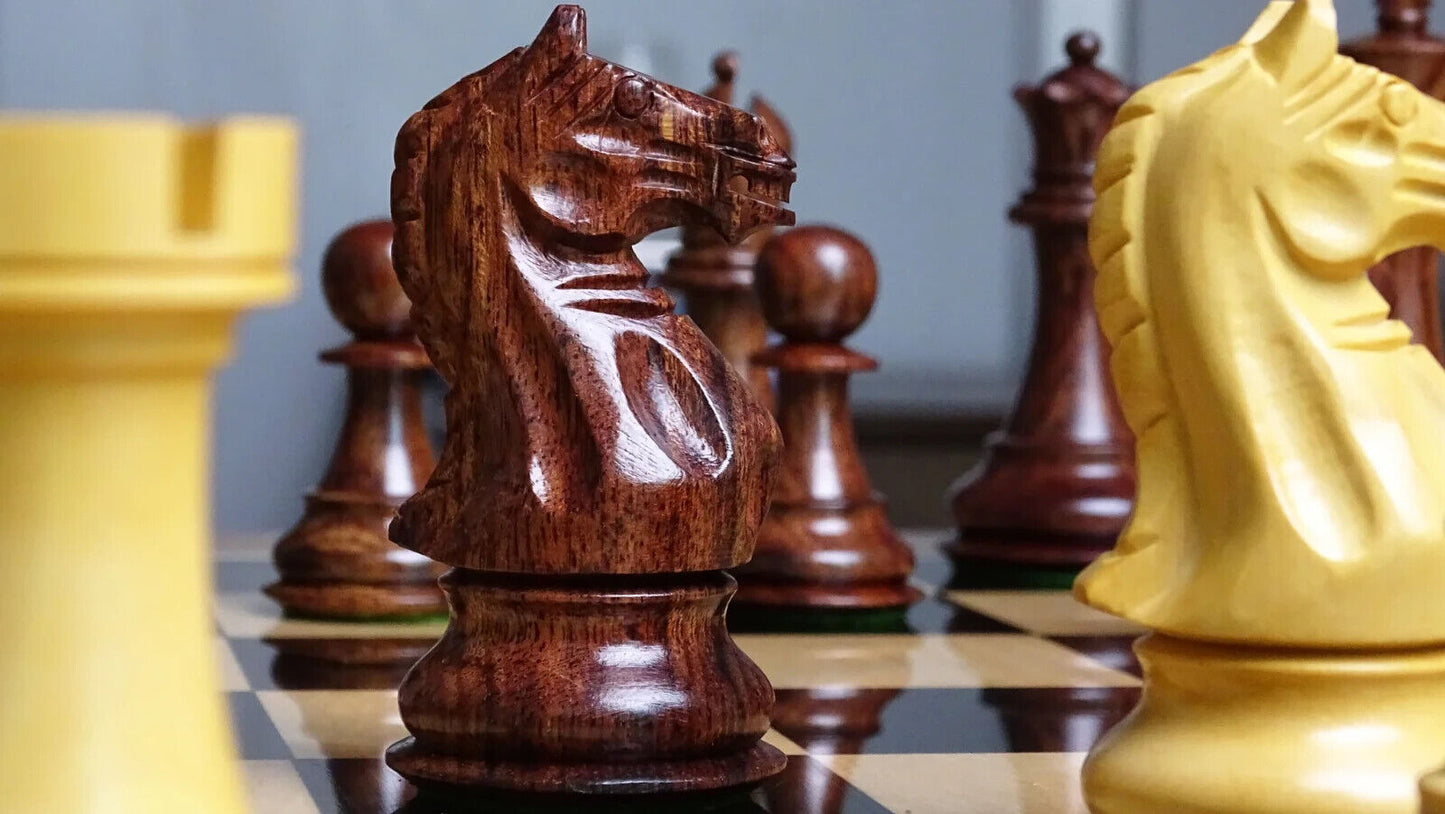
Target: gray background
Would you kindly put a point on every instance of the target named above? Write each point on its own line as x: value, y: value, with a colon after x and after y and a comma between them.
x: 904, y: 128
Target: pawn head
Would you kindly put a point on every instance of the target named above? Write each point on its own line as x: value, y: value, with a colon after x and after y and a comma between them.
x: 360, y: 284
x: 816, y: 283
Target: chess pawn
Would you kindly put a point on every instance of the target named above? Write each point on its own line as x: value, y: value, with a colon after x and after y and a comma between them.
x: 337, y: 561
x: 1056, y: 484
x: 1409, y: 280
x: 827, y: 541
x: 716, y: 279
x: 131, y: 245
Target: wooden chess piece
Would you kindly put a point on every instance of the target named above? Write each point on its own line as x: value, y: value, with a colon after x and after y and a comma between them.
x: 337, y: 561
x: 827, y: 541
x: 1289, y: 534
x: 132, y: 244
x: 1409, y: 280
x: 603, y: 463
x: 1056, y: 485
x: 1432, y: 793
x: 716, y: 278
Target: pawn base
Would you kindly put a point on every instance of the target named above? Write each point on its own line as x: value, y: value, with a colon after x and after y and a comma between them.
x: 1224, y: 729
x: 358, y: 601
x: 755, y: 593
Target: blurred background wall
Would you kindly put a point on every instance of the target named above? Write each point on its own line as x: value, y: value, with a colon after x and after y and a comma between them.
x: 904, y: 130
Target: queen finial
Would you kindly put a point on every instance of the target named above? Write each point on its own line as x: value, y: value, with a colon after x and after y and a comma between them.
x: 1083, y: 48
x: 1069, y: 113
x: 1404, y: 16
x: 724, y: 71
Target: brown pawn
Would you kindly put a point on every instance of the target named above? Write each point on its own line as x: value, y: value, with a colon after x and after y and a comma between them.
x: 337, y: 561
x: 1410, y: 280
x: 1056, y: 485
x: 827, y: 541
x: 716, y: 279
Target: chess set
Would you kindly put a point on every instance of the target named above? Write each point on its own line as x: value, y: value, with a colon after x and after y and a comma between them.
x: 646, y: 569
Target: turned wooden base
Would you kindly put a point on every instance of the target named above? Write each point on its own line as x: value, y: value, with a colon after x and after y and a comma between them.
x: 357, y: 601
x: 825, y: 596
x: 700, y: 774
x: 586, y: 684
x: 827, y: 558
x: 1235, y: 730
x: 337, y: 563
x: 1040, y: 505
x: 1052, y: 551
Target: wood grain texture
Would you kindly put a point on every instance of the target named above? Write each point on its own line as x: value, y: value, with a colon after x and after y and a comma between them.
x: 1056, y: 484
x: 715, y: 278
x: 827, y: 541
x: 337, y: 561
x: 602, y: 462
x: 1404, y: 46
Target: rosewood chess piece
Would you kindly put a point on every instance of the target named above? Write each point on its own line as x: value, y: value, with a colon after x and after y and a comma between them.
x: 827, y: 542
x: 337, y: 561
x: 1056, y: 484
x: 132, y: 244
x: 603, y: 463
x: 716, y: 278
x: 1409, y: 280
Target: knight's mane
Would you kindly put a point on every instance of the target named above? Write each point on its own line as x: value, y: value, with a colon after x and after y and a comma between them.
x: 411, y: 180
x: 1121, y: 179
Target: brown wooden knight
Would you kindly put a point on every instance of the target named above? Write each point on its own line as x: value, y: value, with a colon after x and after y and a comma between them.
x: 716, y: 278
x: 603, y: 463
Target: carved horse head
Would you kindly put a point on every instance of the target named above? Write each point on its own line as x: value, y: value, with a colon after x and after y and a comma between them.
x: 1284, y: 423
x: 577, y: 393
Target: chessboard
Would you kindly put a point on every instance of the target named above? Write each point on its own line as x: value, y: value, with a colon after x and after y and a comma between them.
x: 984, y: 702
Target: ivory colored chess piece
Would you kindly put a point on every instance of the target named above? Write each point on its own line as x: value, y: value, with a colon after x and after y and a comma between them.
x: 1290, y: 526
x: 827, y: 542
x: 337, y: 561
x: 130, y: 245
x: 1408, y: 280
x: 715, y: 277
x: 603, y: 463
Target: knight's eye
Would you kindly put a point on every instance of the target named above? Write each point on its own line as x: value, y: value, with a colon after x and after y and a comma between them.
x: 1400, y: 103
x: 632, y: 96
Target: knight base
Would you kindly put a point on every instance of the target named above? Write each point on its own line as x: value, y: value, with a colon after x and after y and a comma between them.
x: 595, y: 684
x: 1223, y: 729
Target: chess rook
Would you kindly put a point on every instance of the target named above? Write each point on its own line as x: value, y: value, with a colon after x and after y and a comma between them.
x: 716, y: 278
x: 131, y: 244
x: 338, y: 562
x: 1409, y: 280
x: 1056, y: 484
x: 827, y: 541
x: 603, y: 463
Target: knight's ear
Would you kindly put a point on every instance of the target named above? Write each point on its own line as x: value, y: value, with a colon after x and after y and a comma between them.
x: 562, y: 41
x: 1301, y: 43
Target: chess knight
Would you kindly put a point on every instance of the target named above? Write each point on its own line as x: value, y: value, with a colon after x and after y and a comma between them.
x: 1289, y: 536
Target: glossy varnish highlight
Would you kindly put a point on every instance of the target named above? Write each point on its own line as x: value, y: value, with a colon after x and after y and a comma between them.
x: 603, y: 462
x: 1056, y: 484
x: 337, y: 561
